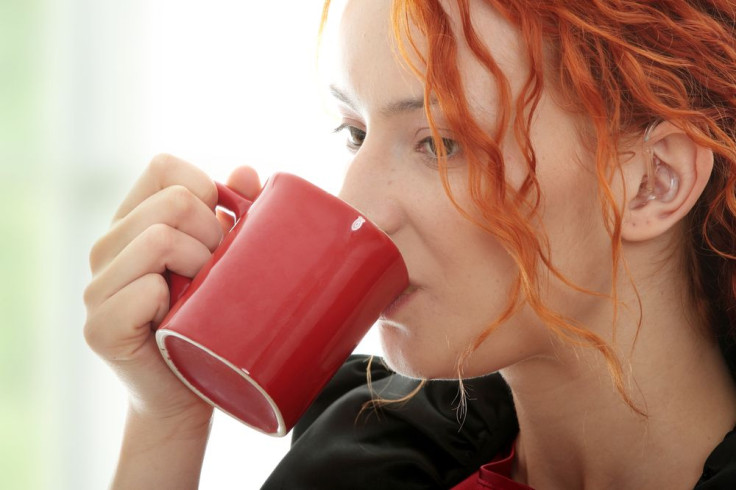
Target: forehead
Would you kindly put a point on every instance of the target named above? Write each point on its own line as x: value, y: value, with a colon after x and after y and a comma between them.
x: 370, y: 68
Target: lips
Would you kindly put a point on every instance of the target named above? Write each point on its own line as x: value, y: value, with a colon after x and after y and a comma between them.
x: 399, y: 302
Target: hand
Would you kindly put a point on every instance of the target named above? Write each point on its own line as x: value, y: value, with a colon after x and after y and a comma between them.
x: 165, y: 222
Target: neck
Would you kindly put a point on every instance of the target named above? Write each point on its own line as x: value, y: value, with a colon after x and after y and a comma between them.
x: 577, y: 432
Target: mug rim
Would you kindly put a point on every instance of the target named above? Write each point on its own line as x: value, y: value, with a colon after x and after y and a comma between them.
x: 161, y: 336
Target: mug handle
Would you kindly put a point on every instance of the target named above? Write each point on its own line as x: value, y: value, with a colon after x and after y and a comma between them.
x: 231, y: 201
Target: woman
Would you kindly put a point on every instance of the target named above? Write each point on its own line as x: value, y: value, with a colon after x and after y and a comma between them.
x: 559, y: 177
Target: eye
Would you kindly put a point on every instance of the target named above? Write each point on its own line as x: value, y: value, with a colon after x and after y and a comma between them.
x: 428, y: 147
x: 355, y: 136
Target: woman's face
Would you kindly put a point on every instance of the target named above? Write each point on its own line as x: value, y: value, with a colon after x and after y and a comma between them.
x: 460, y: 276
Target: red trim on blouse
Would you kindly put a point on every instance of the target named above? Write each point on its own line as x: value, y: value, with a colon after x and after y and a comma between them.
x: 495, y: 475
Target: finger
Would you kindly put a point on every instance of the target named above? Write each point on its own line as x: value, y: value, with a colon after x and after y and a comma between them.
x: 175, y: 206
x: 119, y: 327
x: 164, y: 171
x: 245, y: 180
x: 157, y: 249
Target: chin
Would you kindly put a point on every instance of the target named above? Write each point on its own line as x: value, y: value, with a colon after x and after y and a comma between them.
x: 408, y: 356
x: 410, y: 360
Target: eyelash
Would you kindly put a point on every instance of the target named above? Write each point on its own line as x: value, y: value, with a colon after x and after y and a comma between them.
x: 426, y: 146
x: 352, y: 130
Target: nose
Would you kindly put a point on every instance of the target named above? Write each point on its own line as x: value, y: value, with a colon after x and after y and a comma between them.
x: 373, y: 187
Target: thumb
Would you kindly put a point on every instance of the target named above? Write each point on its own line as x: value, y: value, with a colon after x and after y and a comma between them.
x: 245, y: 180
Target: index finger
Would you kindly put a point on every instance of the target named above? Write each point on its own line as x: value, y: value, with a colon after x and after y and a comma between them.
x: 164, y: 171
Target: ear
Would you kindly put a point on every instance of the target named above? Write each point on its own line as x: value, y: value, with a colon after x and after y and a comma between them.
x: 682, y: 172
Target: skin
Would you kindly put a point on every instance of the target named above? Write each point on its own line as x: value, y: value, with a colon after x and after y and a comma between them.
x: 166, y: 222
x: 461, y: 275
x: 564, y: 396
x: 576, y: 431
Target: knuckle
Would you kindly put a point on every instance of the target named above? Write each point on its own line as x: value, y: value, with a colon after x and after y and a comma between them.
x: 96, y: 256
x: 162, y: 163
x: 211, y: 195
x: 92, y: 334
x: 180, y: 201
x: 164, y: 167
x: 100, y: 337
x: 157, y: 238
x: 89, y: 295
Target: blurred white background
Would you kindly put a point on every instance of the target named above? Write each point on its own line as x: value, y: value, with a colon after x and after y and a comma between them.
x: 90, y: 90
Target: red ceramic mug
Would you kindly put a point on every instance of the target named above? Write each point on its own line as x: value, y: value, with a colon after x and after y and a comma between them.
x: 281, y: 304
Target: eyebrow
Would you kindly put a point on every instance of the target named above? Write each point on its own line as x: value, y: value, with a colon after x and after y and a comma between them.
x: 391, y: 109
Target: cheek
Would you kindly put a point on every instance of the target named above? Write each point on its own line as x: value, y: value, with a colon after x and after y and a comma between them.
x: 580, y: 245
x: 467, y: 290
x: 570, y: 207
x: 473, y: 286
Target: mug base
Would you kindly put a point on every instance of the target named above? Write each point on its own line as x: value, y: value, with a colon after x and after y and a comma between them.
x: 220, y: 383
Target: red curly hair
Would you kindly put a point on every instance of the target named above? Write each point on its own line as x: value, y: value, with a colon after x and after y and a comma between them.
x: 621, y: 64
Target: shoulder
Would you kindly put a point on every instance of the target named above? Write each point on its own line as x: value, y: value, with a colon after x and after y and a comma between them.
x: 422, y: 443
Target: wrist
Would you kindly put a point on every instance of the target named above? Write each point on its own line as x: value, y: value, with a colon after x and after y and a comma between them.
x: 163, y: 450
x: 174, y: 423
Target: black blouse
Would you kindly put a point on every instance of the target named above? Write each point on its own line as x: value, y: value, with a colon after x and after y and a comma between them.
x: 420, y: 444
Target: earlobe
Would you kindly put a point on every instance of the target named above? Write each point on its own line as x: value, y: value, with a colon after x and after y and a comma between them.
x: 671, y: 172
